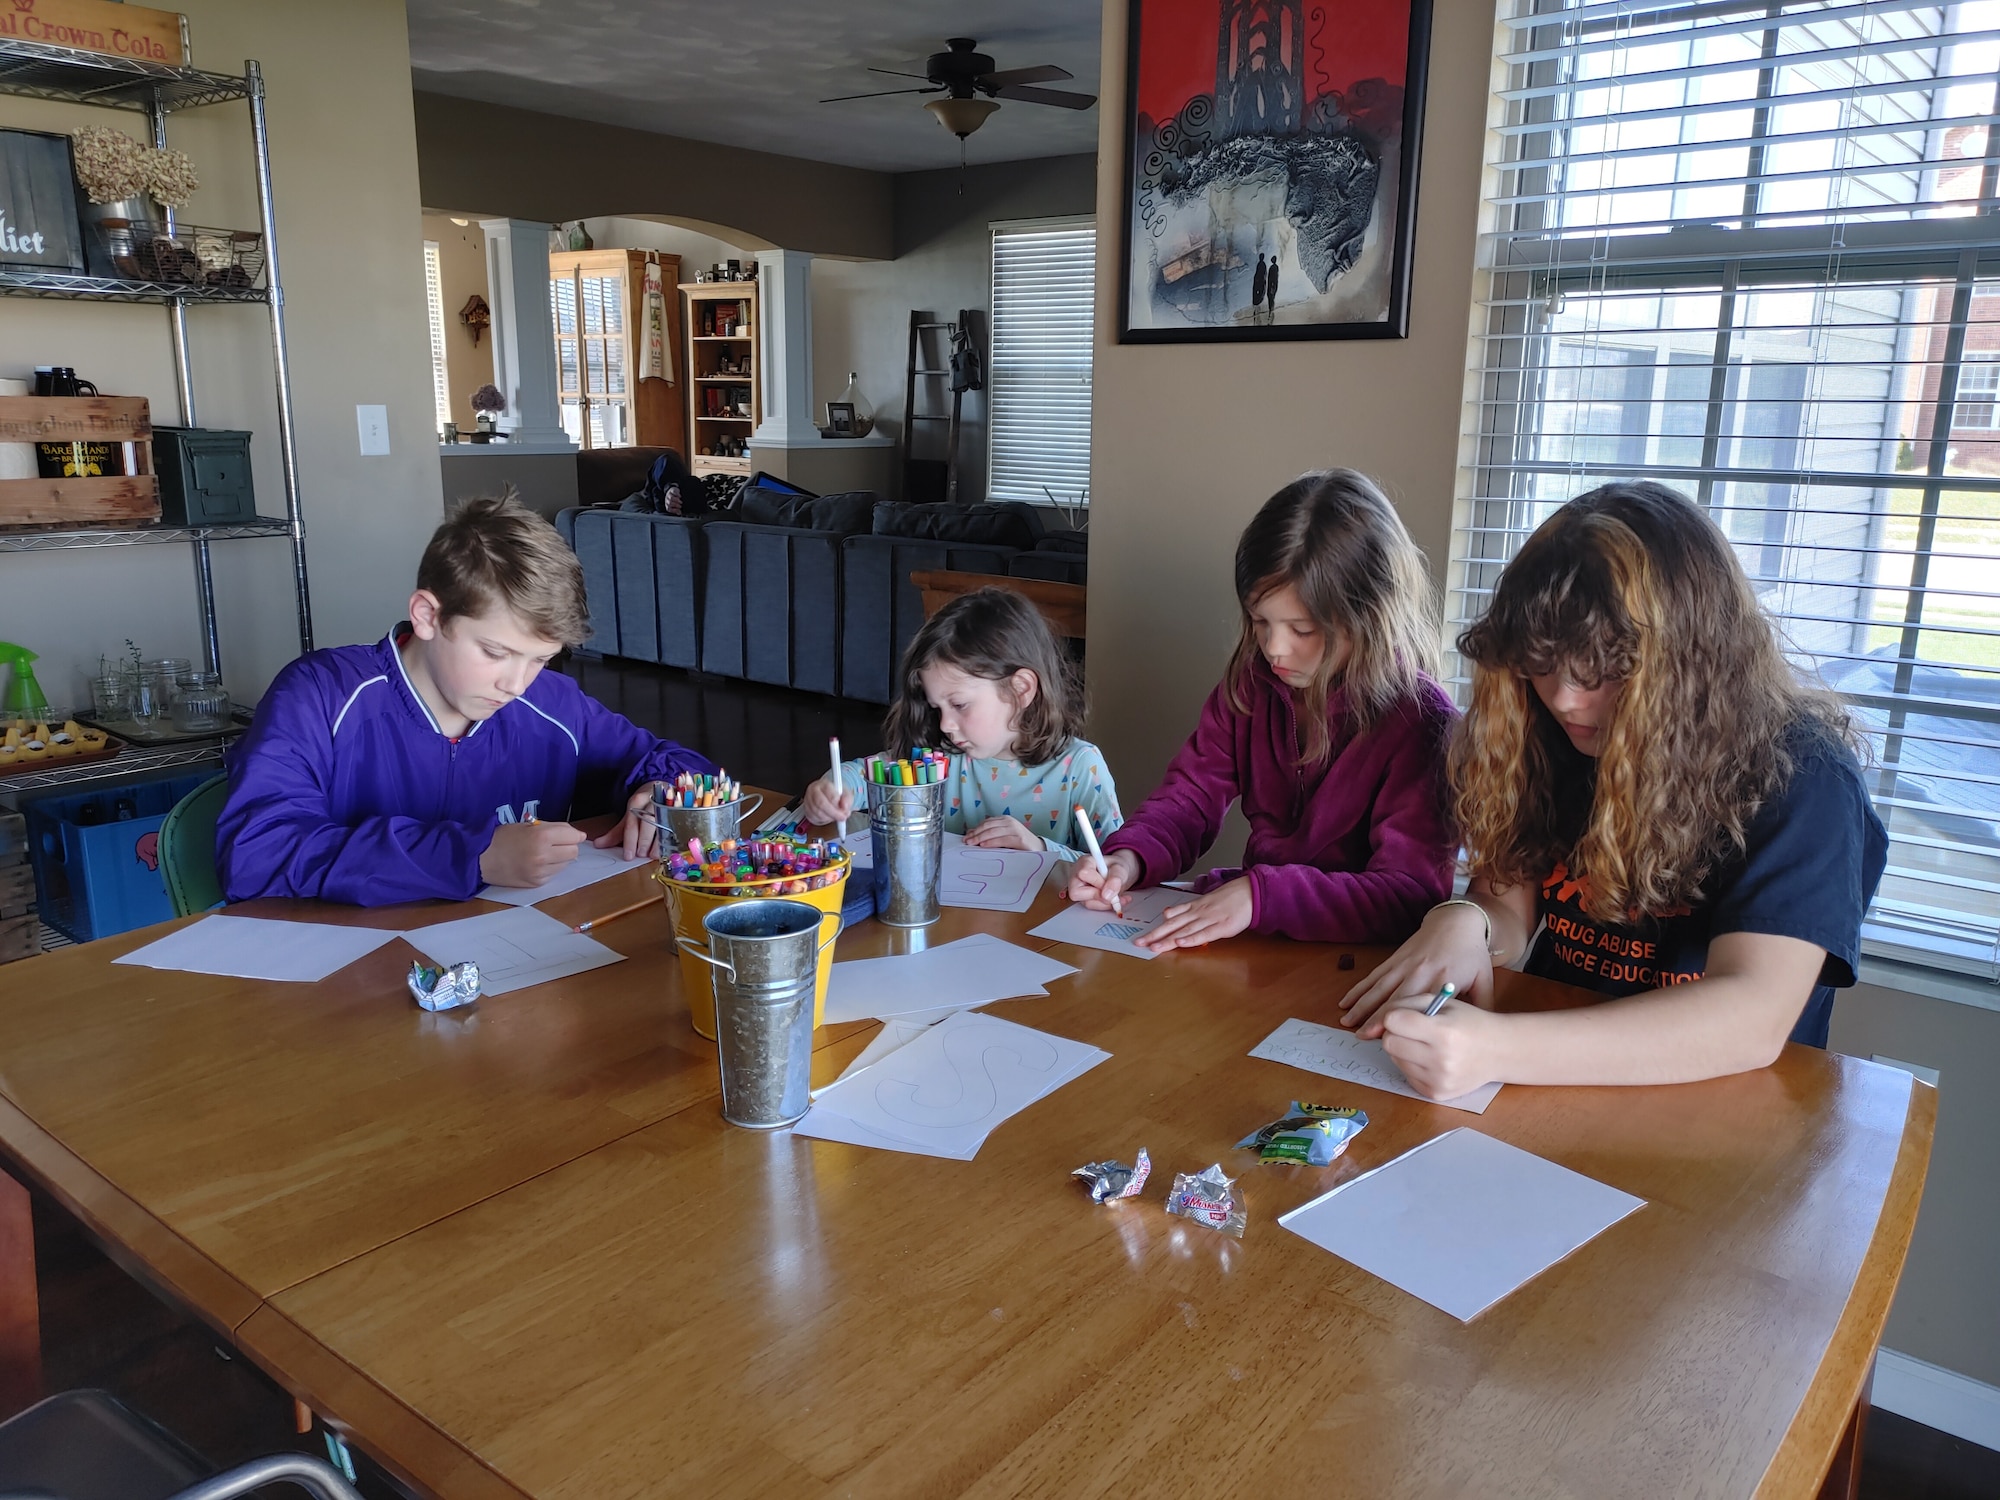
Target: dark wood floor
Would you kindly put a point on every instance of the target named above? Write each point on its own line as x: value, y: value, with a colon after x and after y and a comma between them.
x: 101, y: 1328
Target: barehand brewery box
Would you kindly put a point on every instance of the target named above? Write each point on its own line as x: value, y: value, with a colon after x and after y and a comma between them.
x: 39, y: 227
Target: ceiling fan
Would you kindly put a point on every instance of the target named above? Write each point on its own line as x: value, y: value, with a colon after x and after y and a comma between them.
x: 963, y: 73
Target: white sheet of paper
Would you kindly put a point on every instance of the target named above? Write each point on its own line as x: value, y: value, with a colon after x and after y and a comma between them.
x: 991, y: 879
x: 1113, y: 932
x: 972, y: 971
x: 1461, y: 1220
x: 260, y: 948
x: 860, y: 849
x: 1342, y: 1054
x: 897, y: 1031
x: 825, y: 1125
x: 948, y: 1089
x: 514, y: 949
x: 589, y: 867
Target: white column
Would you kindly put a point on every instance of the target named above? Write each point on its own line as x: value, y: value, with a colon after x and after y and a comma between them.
x: 785, y: 349
x: 524, y: 337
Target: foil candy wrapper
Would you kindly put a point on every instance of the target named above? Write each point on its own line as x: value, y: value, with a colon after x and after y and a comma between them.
x: 1210, y: 1199
x: 444, y: 989
x: 1110, y: 1181
x: 1313, y: 1134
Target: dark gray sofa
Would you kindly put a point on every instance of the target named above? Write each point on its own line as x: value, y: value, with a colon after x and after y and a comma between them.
x: 799, y: 590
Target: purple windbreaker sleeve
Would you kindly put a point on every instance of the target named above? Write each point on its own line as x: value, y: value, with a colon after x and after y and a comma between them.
x: 1409, y: 859
x: 613, y: 744
x: 276, y: 835
x: 1171, y: 829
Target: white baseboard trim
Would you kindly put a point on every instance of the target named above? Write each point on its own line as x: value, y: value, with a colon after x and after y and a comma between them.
x: 1937, y: 1397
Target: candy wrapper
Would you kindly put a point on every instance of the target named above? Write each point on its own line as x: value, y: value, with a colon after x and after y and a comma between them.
x: 1312, y: 1133
x: 1111, y: 1180
x: 444, y: 989
x: 1209, y: 1198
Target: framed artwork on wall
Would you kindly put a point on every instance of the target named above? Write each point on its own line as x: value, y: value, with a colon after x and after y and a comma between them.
x: 1271, y: 168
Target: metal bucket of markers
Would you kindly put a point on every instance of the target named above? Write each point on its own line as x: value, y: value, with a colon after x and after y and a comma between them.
x: 907, y: 828
x: 764, y: 954
x: 691, y: 902
x: 709, y: 824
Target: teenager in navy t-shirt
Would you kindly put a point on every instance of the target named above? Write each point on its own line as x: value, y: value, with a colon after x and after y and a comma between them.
x: 1650, y: 798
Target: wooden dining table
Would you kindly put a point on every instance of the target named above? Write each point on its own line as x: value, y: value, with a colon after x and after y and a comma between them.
x: 515, y: 1251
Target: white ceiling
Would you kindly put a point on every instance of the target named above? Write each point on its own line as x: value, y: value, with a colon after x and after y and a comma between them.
x: 750, y: 72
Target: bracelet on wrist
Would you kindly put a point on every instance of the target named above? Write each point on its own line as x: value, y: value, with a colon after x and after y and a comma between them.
x: 1484, y: 916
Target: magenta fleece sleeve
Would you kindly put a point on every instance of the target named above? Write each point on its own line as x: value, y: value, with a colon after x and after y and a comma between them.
x: 1355, y: 851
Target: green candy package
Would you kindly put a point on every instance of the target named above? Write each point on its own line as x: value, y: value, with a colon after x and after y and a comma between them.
x: 1312, y: 1134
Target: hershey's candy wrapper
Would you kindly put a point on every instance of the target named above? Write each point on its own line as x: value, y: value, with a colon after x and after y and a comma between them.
x: 1111, y: 1180
x: 444, y: 989
x: 1312, y: 1133
x: 1209, y: 1198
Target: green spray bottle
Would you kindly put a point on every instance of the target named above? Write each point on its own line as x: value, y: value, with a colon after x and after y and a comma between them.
x: 24, y: 698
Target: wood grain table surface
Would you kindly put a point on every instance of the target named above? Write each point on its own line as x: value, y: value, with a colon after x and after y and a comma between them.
x: 695, y: 1309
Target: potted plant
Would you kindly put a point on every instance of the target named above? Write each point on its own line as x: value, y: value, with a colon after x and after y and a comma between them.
x: 488, y: 403
x: 127, y: 182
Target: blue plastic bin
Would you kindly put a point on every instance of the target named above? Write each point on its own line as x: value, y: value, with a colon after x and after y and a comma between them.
x: 97, y: 855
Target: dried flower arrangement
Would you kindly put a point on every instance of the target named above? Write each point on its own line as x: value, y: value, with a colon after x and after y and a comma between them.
x: 112, y: 166
x: 488, y: 399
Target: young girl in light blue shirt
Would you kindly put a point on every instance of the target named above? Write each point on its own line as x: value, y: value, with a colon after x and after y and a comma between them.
x: 986, y: 682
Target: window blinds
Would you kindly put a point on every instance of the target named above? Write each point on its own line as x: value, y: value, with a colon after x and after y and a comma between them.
x: 1038, y: 378
x: 1752, y: 251
x: 434, y: 300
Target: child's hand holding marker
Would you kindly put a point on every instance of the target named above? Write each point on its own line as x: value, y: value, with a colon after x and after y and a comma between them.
x: 527, y: 854
x: 1101, y: 884
x: 828, y: 800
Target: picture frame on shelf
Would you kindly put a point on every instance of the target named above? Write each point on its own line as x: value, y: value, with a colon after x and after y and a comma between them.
x: 840, y: 418
x: 1213, y: 209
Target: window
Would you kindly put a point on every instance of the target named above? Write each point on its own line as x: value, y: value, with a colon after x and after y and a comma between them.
x: 1753, y: 251
x: 434, y: 298
x: 587, y: 305
x: 1038, y: 376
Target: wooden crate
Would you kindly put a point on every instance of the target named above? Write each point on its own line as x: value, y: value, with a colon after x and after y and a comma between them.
x: 17, y: 890
x: 119, y: 499
x: 13, y: 837
x: 20, y: 937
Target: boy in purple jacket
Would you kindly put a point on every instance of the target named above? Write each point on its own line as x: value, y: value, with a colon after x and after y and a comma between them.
x: 1327, y: 726
x: 442, y: 758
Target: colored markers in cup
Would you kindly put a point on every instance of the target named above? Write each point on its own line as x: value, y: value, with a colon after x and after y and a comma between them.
x: 921, y: 769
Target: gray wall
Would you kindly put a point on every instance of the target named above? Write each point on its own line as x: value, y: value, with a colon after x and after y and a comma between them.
x: 861, y: 309
x: 1948, y: 1307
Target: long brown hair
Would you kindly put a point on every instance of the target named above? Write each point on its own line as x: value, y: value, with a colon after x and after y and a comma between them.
x: 1630, y: 583
x: 1333, y: 535
x: 991, y: 633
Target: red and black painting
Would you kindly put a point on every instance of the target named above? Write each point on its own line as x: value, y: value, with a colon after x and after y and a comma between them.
x: 1271, y: 174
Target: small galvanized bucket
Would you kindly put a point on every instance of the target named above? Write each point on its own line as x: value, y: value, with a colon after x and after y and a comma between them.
x: 907, y: 824
x: 764, y: 955
x: 709, y: 824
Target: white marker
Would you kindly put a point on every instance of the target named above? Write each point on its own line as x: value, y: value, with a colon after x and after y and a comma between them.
x: 1097, y: 853
x: 833, y: 747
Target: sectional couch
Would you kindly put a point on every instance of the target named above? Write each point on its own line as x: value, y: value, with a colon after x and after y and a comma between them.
x: 786, y: 587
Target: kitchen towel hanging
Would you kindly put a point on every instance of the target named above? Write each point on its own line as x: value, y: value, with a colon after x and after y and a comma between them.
x: 655, y: 363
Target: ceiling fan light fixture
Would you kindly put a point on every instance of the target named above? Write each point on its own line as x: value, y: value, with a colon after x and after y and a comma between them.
x: 961, y: 116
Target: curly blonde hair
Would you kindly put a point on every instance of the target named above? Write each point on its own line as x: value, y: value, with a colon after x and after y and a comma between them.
x: 1631, y: 583
x: 1334, y: 537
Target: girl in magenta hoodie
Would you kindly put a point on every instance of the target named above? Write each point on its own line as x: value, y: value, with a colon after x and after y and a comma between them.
x: 1330, y: 728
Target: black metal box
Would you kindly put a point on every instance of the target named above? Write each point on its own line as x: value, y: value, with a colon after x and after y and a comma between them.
x: 39, y: 227
x: 204, y: 476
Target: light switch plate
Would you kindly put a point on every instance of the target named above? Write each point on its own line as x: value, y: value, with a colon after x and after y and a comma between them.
x: 374, y: 421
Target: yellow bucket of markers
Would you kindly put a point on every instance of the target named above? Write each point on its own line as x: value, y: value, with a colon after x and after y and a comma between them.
x: 691, y: 900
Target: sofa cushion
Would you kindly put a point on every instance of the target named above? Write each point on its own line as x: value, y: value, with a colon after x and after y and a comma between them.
x: 1076, y: 542
x: 843, y: 515
x: 1006, y: 525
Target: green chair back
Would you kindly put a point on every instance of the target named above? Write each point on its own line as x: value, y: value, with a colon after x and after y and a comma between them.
x: 187, y: 848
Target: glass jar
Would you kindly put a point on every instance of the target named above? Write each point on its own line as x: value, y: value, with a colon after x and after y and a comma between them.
x: 864, y: 414
x: 158, y: 681
x: 201, y: 702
